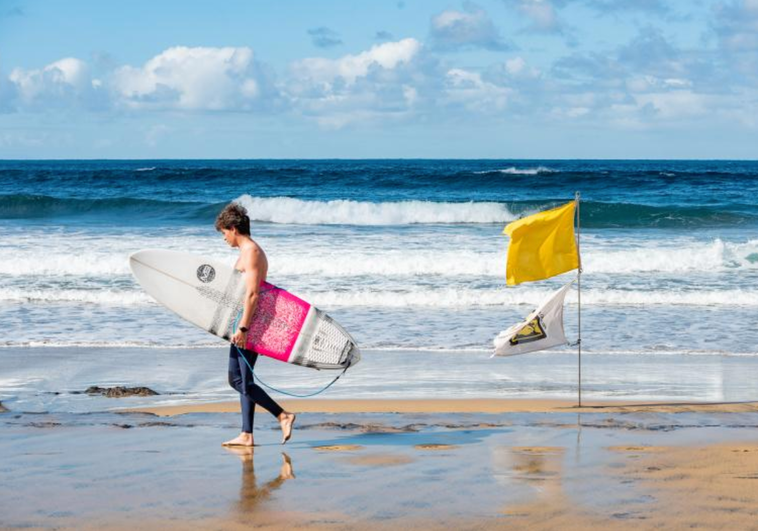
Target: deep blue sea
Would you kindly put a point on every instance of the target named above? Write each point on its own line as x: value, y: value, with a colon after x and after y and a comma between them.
x: 408, y: 255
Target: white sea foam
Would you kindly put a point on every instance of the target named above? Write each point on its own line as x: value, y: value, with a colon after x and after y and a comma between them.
x: 689, y: 257
x: 519, y: 171
x: 163, y: 345
x: 54, y: 262
x: 100, y: 296
x: 421, y: 297
x: 385, y: 347
x: 343, y: 212
x: 669, y: 352
x: 392, y: 263
x: 350, y: 259
x: 569, y: 351
x: 467, y: 298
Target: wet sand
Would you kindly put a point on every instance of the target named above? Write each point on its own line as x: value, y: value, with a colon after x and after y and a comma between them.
x: 632, y: 467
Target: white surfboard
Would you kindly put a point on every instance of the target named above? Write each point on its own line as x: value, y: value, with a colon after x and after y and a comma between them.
x: 209, y: 294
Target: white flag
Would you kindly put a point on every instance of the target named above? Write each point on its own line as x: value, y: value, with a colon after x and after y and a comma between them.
x: 541, y: 330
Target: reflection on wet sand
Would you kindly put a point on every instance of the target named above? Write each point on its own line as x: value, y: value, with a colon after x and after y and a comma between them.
x: 538, y: 468
x: 532, y: 464
x: 251, y: 495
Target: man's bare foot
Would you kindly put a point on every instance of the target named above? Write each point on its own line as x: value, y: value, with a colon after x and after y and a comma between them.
x: 286, y: 471
x: 286, y: 421
x: 243, y: 439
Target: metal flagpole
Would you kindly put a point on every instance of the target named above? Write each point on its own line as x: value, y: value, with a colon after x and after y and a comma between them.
x: 579, y: 294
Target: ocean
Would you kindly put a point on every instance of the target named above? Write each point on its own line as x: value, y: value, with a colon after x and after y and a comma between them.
x: 407, y: 254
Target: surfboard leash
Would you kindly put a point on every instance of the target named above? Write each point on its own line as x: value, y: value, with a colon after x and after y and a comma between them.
x: 267, y: 386
x: 264, y: 384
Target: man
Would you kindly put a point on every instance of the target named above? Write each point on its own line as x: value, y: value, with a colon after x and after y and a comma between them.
x: 234, y: 224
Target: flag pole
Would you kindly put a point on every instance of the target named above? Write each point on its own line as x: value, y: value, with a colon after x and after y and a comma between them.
x: 579, y: 295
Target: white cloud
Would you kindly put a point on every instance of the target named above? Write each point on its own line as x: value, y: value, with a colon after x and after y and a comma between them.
x: 197, y: 79
x: 348, y: 68
x: 56, y: 84
x: 518, y: 68
x: 468, y: 89
x: 410, y: 94
x: 674, y: 105
x: 650, y: 83
x: 384, y: 82
x: 471, y: 28
x: 542, y: 14
x: 515, y: 65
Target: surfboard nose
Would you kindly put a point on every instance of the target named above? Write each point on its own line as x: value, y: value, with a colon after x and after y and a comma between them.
x: 138, y: 257
x: 135, y: 259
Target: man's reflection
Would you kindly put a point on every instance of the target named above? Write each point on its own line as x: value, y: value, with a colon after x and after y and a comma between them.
x: 250, y: 494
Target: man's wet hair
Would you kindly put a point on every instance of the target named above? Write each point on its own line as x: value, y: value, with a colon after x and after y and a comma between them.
x: 234, y: 216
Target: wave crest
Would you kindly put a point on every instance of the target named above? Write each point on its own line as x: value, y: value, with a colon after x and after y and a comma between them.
x: 519, y: 171
x: 345, y: 212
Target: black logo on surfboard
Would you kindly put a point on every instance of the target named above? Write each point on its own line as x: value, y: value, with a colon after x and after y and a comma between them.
x: 206, y: 273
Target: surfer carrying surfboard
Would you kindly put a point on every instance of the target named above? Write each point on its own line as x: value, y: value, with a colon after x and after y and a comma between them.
x: 234, y: 223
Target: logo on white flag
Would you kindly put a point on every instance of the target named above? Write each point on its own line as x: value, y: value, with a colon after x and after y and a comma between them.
x: 533, y: 331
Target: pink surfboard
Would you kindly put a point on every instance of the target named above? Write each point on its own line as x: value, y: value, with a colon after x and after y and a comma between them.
x: 209, y: 295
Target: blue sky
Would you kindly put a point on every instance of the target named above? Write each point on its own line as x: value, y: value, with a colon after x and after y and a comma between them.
x: 374, y: 79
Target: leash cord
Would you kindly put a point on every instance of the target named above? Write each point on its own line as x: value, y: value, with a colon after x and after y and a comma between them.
x: 264, y: 384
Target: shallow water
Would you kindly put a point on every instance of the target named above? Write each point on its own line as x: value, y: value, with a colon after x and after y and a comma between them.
x: 52, y: 379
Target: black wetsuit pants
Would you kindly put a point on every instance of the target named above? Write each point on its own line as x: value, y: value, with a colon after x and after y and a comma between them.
x: 241, y: 379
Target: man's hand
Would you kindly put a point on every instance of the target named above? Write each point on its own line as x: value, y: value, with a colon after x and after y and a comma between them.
x: 239, y: 338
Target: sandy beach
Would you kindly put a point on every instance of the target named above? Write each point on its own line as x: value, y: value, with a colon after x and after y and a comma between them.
x: 474, y: 405
x: 387, y: 464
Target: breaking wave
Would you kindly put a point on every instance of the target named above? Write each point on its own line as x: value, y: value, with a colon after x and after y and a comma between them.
x: 296, y: 211
x: 345, y: 212
x: 519, y: 171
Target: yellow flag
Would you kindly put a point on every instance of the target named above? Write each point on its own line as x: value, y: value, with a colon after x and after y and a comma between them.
x: 542, y: 245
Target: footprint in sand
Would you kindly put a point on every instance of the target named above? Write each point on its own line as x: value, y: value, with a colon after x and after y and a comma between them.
x: 435, y: 447
x: 647, y: 449
x: 380, y: 460
x: 538, y: 449
x: 339, y: 448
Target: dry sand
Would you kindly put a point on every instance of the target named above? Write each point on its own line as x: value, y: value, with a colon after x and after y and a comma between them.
x: 467, y: 406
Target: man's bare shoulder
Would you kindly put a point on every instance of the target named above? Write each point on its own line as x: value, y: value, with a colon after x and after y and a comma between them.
x: 252, y: 253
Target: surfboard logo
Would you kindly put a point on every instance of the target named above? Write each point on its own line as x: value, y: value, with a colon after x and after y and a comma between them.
x: 206, y: 273
x: 533, y: 331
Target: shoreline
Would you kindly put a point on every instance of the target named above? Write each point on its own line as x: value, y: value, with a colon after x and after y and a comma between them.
x: 464, y: 405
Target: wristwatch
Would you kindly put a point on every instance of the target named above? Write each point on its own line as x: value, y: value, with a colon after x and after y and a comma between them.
x: 243, y: 329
